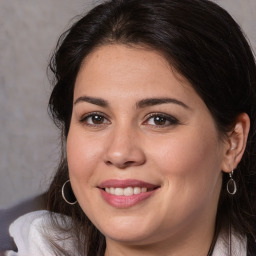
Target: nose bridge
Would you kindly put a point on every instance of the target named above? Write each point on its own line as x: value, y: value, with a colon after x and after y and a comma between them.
x: 124, y: 147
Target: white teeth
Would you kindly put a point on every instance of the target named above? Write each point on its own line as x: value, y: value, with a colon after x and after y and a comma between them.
x: 136, y: 190
x: 119, y: 191
x: 129, y: 191
x: 112, y: 191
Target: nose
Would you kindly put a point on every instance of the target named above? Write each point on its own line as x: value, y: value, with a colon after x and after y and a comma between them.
x: 124, y: 149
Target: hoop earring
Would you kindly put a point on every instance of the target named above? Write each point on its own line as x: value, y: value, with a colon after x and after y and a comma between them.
x: 231, y: 185
x: 71, y: 195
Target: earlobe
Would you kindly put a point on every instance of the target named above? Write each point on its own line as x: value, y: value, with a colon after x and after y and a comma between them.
x: 236, y: 143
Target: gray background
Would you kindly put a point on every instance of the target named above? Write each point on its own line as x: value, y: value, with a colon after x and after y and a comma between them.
x: 29, y: 141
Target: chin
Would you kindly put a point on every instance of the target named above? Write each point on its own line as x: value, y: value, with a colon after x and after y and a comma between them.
x: 133, y: 230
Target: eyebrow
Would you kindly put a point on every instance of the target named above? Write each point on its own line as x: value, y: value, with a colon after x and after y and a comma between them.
x: 140, y: 104
x: 158, y: 101
x: 96, y: 101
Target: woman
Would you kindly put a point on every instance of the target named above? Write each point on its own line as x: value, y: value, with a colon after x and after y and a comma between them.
x: 156, y: 101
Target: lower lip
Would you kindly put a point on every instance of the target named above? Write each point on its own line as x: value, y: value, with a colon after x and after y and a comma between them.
x: 125, y: 201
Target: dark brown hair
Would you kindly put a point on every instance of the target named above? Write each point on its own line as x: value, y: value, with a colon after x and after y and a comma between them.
x: 206, y: 46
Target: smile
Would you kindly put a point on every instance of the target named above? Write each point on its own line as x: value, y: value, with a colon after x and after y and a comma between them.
x: 126, y: 193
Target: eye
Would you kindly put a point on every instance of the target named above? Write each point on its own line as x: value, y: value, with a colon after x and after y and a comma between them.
x: 94, y: 119
x: 158, y: 119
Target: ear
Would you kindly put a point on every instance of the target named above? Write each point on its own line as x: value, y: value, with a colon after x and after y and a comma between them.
x: 236, y: 143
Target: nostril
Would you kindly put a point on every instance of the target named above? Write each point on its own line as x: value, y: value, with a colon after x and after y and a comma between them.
x: 108, y: 163
x: 121, y: 165
x: 129, y: 163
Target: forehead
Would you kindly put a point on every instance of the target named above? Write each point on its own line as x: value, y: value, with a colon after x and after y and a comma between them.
x: 133, y: 71
x: 119, y: 57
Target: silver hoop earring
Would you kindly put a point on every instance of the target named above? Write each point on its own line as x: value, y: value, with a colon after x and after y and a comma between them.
x: 231, y: 185
x: 70, y: 199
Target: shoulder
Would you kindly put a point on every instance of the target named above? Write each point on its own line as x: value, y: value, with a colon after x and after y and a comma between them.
x: 27, y: 234
x: 31, y: 233
x: 29, y: 224
x: 9, y: 215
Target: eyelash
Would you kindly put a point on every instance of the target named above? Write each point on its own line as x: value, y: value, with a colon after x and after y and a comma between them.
x: 85, y: 118
x: 167, y: 118
x: 163, y: 117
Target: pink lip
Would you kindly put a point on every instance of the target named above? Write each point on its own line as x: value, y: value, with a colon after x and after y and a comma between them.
x: 126, y: 201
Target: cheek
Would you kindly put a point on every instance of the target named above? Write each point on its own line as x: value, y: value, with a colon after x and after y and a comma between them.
x: 190, y: 161
x: 191, y: 169
x: 82, y: 154
x: 83, y: 157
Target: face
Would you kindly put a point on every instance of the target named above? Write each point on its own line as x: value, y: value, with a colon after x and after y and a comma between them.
x: 143, y: 151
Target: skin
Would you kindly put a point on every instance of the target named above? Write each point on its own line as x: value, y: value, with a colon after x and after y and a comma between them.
x: 185, y: 158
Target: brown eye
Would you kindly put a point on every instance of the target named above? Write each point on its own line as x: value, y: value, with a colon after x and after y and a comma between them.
x: 95, y: 119
x: 161, y: 120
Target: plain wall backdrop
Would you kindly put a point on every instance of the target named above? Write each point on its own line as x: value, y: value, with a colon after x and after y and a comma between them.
x: 29, y: 141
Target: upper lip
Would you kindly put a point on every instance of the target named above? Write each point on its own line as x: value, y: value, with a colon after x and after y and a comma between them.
x: 115, y: 183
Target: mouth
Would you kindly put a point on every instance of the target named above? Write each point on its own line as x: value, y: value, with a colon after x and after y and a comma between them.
x: 126, y: 193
